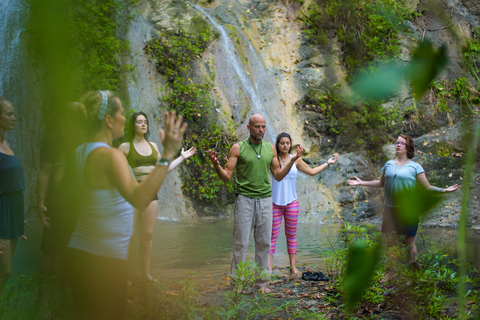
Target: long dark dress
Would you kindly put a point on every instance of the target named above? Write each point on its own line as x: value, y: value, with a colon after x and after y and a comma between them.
x: 12, y: 184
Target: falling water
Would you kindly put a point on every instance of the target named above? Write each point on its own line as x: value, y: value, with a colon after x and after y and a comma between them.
x: 12, y: 70
x: 19, y: 84
x: 255, y: 100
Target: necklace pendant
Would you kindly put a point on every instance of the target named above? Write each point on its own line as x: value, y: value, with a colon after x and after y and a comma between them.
x: 258, y: 156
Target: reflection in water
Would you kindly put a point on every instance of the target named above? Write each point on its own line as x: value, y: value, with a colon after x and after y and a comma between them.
x: 202, y: 249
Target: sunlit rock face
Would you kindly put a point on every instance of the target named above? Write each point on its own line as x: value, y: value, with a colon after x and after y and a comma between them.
x: 263, y: 64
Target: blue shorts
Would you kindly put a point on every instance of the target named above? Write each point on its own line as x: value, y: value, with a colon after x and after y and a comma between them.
x: 393, y: 222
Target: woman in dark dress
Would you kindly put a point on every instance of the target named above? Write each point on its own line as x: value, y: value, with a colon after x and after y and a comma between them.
x: 12, y: 185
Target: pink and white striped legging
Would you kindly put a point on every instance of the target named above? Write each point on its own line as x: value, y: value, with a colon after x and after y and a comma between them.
x: 290, y: 211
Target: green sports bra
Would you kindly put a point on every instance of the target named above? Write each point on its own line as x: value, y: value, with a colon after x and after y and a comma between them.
x: 137, y: 160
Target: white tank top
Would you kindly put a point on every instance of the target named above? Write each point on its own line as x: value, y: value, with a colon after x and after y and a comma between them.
x: 105, y: 223
x: 285, y: 191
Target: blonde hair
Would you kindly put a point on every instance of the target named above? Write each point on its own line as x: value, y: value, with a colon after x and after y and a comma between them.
x: 91, y: 107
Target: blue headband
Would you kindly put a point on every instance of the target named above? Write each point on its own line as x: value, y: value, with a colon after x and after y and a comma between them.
x: 103, y: 108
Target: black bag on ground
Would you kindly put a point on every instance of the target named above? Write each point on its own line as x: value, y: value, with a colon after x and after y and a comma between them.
x: 314, y: 276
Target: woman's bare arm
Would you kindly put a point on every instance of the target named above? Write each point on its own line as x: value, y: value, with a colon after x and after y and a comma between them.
x: 372, y: 184
x: 305, y: 168
x: 422, y: 180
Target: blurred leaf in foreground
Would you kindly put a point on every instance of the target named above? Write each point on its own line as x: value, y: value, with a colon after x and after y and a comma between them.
x: 426, y: 64
x: 380, y: 83
x: 415, y: 203
x: 361, y: 265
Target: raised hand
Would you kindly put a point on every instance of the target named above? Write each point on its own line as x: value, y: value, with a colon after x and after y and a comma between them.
x: 173, y: 134
x: 298, y: 154
x: 356, y: 182
x: 333, y: 159
x: 213, y: 155
x: 187, y: 154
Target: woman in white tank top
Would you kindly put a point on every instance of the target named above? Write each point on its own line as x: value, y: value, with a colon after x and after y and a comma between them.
x: 96, y: 257
x: 284, y: 198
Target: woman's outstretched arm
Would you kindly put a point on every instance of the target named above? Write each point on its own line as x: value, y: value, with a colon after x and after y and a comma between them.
x: 422, y: 180
x: 372, y: 184
x: 305, y: 168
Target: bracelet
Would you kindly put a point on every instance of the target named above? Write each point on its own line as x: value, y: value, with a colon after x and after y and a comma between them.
x: 163, y: 162
x: 328, y: 164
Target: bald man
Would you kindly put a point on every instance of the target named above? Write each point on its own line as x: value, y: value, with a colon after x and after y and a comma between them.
x: 253, y: 159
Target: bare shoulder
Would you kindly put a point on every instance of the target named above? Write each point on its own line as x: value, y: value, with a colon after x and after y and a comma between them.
x: 274, y: 150
x: 101, y: 157
x: 235, y: 150
x: 124, y: 148
x: 154, y: 145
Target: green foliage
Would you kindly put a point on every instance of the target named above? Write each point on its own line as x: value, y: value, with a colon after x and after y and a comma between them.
x: 367, y: 122
x: 381, y: 82
x: 448, y: 92
x: 426, y: 64
x: 205, y: 183
x: 20, y: 299
x: 362, y: 262
x: 367, y: 30
x: 444, y: 149
x: 471, y: 54
x: 174, y: 54
x: 426, y: 286
x: 414, y: 204
x: 95, y: 31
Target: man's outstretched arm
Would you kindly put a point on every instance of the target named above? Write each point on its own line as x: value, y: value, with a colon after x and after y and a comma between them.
x: 225, y: 174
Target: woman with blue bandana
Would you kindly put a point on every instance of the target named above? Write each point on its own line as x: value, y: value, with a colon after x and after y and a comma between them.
x: 97, y: 253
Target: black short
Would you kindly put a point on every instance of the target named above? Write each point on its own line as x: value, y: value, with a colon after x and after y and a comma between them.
x: 99, y: 284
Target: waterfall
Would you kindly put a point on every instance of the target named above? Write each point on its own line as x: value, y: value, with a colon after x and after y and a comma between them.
x: 19, y: 84
x: 12, y: 68
x: 243, y: 76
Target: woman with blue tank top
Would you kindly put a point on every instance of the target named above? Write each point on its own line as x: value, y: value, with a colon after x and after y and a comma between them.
x: 97, y: 250
x: 285, y: 200
x: 12, y: 184
x: 142, y: 155
x: 401, y: 174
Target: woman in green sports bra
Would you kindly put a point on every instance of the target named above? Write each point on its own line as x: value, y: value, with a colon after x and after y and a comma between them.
x: 142, y: 155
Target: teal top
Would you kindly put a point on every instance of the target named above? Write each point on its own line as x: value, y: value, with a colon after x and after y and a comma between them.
x: 399, y: 178
x: 252, y: 175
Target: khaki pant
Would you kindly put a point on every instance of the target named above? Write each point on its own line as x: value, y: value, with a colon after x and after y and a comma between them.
x: 253, y: 214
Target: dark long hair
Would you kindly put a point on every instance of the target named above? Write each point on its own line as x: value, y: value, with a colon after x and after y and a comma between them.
x: 410, y: 148
x: 131, y: 126
x: 279, y: 137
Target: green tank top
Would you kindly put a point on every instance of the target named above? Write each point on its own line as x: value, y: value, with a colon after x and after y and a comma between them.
x: 252, y: 174
x: 137, y: 160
